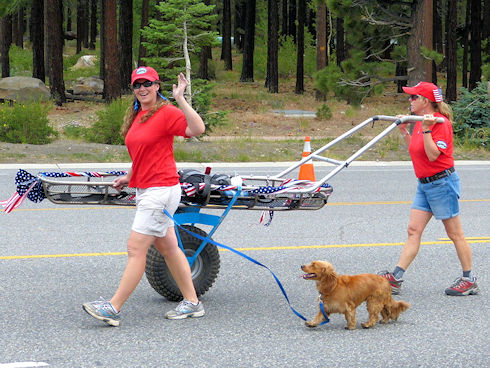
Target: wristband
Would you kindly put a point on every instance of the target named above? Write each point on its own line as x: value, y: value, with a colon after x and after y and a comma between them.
x: 427, y: 131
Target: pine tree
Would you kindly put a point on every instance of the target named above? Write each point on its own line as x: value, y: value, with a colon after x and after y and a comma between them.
x: 176, y: 36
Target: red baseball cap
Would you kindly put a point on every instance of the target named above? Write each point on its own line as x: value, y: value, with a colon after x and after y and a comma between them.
x: 144, y: 72
x: 426, y: 89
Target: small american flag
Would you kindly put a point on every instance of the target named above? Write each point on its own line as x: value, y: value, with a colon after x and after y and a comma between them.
x: 438, y: 94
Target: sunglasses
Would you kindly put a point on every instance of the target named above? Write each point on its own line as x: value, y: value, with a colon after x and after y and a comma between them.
x: 413, y: 97
x: 137, y: 85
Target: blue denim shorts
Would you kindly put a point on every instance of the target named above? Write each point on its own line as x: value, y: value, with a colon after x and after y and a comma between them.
x: 439, y: 197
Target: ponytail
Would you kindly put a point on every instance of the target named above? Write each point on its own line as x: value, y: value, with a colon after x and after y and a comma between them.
x: 444, y: 109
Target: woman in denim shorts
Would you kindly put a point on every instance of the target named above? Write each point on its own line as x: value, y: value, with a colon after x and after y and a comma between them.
x: 431, y: 149
x: 149, y: 128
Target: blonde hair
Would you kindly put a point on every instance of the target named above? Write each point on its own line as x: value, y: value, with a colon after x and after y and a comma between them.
x: 441, y: 107
x: 131, y: 115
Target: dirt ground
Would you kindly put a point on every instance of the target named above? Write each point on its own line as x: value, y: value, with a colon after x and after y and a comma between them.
x: 253, y: 128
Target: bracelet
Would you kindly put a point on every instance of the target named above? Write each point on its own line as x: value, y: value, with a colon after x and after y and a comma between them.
x: 427, y: 131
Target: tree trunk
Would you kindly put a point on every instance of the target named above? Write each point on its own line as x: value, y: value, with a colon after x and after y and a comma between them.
x: 486, y: 29
x: 85, y: 23
x: 226, y: 45
x: 144, y: 23
x: 340, y: 49
x: 68, y: 18
x: 93, y: 24
x: 284, y: 18
x: 80, y: 28
x: 20, y: 21
x: 466, y: 44
x: 300, y: 37
x: 188, y: 66
x: 475, y: 49
x: 436, y: 36
x: 54, y: 41
x: 401, y: 70
x: 102, y: 39
x: 240, y: 12
x: 206, y: 54
x: 126, y: 43
x: 419, y: 68
x: 451, y: 50
x: 292, y: 19
x: 37, y: 39
x: 272, y: 78
x: 321, y: 43
x: 249, y: 43
x: 5, y: 42
x: 203, y: 63
x: 112, y: 76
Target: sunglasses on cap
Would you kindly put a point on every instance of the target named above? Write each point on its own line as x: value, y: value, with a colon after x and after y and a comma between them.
x: 137, y: 85
x: 413, y: 97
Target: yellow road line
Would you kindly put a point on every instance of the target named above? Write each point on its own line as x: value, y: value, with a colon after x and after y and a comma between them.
x: 295, y: 247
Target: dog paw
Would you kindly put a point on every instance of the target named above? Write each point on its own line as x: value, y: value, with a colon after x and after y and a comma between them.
x: 366, y: 325
x: 310, y: 324
x: 350, y: 327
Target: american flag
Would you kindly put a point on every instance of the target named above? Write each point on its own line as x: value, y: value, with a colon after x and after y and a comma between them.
x: 438, y: 94
x: 190, y: 189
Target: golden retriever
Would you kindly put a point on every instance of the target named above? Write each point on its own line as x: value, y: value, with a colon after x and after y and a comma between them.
x: 344, y: 293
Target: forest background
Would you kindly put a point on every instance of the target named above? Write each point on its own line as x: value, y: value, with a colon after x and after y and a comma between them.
x: 248, y: 61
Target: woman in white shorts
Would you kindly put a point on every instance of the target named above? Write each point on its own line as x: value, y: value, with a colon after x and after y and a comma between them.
x: 149, y: 128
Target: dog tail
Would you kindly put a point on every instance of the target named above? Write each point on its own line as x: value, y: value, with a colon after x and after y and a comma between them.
x: 396, y: 308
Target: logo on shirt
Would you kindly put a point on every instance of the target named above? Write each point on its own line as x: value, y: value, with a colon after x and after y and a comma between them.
x: 441, y: 144
x: 141, y: 71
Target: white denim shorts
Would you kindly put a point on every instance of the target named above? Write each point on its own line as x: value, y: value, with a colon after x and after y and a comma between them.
x: 150, y: 203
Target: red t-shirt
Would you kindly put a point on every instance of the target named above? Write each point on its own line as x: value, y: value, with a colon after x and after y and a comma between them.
x: 150, y: 145
x: 442, y: 135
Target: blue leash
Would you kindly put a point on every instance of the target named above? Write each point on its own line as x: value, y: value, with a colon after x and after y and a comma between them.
x: 209, y: 240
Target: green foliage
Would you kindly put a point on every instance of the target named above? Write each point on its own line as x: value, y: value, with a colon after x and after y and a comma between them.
x: 336, y: 80
x: 106, y: 129
x: 431, y: 55
x: 26, y: 123
x: 203, y: 93
x: 166, y: 35
x: 472, y: 117
x: 485, y: 71
x: 324, y: 112
x: 74, y: 130
x: 20, y: 61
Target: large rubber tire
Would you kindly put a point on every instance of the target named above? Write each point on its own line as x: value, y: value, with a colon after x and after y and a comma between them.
x: 204, y: 270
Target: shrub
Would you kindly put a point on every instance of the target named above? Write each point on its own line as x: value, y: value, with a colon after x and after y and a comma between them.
x: 106, y: 129
x: 472, y: 117
x: 26, y: 123
x: 324, y: 112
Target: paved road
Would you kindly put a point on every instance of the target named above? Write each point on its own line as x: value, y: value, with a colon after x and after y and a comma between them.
x: 47, y: 271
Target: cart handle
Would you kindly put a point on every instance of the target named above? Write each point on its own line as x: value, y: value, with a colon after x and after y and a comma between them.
x: 343, y: 164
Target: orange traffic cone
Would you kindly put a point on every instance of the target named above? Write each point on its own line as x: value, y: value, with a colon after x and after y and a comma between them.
x: 307, y: 171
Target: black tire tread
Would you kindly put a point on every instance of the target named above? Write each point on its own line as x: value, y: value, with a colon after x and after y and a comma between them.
x: 162, y: 281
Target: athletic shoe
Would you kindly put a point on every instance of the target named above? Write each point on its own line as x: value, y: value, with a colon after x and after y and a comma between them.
x: 186, y: 309
x: 463, y: 286
x: 396, y: 284
x: 103, y: 311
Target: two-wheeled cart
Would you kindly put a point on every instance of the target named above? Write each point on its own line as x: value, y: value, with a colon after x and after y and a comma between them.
x: 248, y: 192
